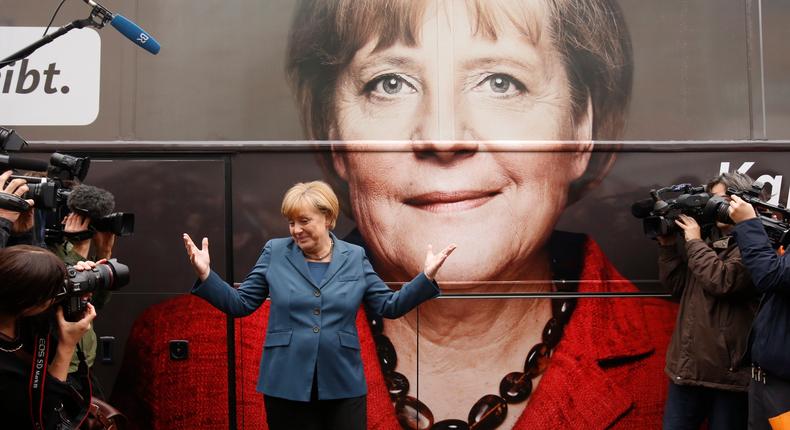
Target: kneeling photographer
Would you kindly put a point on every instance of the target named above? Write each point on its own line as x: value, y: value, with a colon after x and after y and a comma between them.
x: 34, y: 352
x: 717, y: 305
x: 769, y: 339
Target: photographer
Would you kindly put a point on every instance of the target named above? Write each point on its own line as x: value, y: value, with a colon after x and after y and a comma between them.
x: 30, y: 279
x: 15, y: 227
x: 769, y: 339
x: 83, y: 242
x: 717, y: 305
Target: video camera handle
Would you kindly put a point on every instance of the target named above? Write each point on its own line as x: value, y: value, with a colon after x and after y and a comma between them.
x: 13, y: 202
x: 756, y: 202
x: 678, y: 188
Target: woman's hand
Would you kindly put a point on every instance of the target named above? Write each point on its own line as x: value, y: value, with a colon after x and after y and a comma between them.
x: 690, y: 227
x: 740, y: 210
x: 434, y: 261
x: 199, y: 258
x: 71, y: 332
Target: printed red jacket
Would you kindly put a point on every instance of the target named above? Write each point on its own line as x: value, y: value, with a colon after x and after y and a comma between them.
x: 607, y: 372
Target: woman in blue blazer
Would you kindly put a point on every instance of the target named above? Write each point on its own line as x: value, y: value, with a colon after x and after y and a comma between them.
x: 311, y: 371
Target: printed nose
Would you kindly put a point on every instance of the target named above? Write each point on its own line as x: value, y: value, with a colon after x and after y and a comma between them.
x: 445, y: 152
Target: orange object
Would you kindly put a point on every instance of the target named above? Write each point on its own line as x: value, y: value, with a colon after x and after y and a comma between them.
x: 780, y: 422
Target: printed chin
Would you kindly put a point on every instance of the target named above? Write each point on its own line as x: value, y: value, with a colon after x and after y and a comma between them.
x: 468, y: 264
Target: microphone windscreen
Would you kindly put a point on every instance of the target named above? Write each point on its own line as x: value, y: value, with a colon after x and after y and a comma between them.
x: 136, y: 34
x: 15, y: 162
x: 95, y: 201
x: 642, y: 208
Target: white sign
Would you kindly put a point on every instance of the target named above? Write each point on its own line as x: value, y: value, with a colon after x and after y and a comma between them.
x: 56, y: 85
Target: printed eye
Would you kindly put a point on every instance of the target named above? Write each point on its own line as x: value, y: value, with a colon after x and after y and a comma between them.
x: 389, y: 85
x: 503, y: 85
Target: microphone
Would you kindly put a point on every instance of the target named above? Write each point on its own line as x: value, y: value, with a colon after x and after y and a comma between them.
x: 129, y: 29
x: 14, y: 162
x: 93, y: 202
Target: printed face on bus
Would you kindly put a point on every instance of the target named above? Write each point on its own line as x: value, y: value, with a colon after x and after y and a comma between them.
x: 461, y: 138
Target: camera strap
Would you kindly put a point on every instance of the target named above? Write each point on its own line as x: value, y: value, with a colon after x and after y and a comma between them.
x: 38, y: 378
x: 78, y: 236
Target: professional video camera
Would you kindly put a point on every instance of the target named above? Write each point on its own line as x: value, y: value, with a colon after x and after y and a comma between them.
x: 49, y: 192
x: 773, y: 217
x: 659, y: 214
x: 53, y: 194
x: 109, y: 276
x: 98, y: 205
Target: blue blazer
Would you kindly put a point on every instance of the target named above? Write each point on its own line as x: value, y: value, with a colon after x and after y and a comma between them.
x: 309, y: 320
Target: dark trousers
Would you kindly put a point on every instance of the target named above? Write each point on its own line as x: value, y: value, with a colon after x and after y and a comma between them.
x: 768, y: 400
x: 335, y: 414
x: 688, y: 406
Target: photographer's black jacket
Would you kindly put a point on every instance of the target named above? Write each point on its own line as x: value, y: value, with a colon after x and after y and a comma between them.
x: 64, y: 406
x: 769, y: 339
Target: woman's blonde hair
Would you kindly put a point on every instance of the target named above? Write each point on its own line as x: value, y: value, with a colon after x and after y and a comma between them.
x: 315, y: 194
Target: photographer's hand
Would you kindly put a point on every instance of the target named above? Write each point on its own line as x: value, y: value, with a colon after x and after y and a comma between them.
x: 76, y: 223
x: 69, y: 334
x: 22, y: 222
x: 691, y: 229
x: 740, y: 210
x: 199, y: 258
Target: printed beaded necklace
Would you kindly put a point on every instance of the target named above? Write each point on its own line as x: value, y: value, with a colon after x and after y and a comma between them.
x: 490, y: 410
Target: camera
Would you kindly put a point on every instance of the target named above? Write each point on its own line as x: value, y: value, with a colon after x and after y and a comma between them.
x: 10, y: 141
x: 773, y: 217
x: 659, y: 214
x: 47, y: 193
x: 109, y: 276
x: 117, y: 223
x: 68, y: 167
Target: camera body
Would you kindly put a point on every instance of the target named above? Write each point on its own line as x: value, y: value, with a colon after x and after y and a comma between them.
x: 659, y: 214
x: 109, y: 276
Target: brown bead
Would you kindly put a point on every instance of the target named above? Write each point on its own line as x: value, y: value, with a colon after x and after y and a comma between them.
x: 488, y: 413
x: 376, y: 324
x: 397, y: 384
x: 450, y: 425
x: 537, y: 360
x: 386, y: 352
x: 413, y: 414
x: 552, y: 333
x: 515, y: 387
x: 562, y: 309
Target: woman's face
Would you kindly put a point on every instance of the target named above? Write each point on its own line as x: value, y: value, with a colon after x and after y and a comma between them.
x: 460, y: 103
x: 308, y: 228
